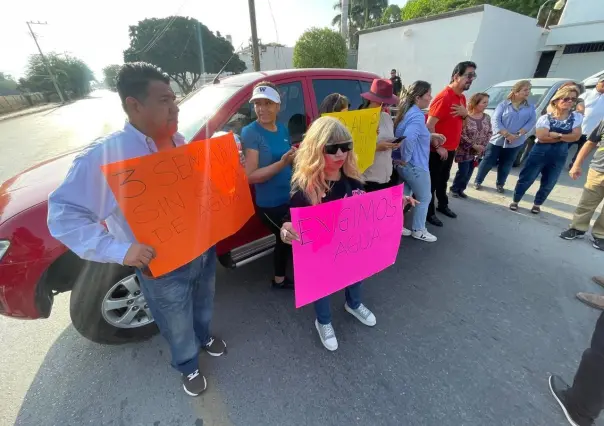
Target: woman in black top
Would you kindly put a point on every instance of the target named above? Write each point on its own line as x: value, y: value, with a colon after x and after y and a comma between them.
x: 326, y: 170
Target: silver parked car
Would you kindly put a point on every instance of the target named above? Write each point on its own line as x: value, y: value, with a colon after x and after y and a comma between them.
x: 542, y: 90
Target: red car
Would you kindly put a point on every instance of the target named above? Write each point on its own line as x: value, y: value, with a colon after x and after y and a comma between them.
x: 106, y: 303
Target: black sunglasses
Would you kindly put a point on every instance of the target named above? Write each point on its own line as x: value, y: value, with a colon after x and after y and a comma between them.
x: 569, y: 99
x: 470, y: 75
x: 333, y: 149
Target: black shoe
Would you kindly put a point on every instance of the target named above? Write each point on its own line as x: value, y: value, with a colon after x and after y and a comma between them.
x: 558, y: 387
x: 215, y: 347
x: 454, y: 194
x: 598, y: 243
x: 462, y: 194
x: 287, y: 284
x: 434, y: 220
x: 500, y: 189
x: 572, y: 233
x: 194, y: 383
x: 447, y: 212
x: 477, y: 186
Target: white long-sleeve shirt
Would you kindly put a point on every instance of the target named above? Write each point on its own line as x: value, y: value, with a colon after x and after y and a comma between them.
x: 84, y: 199
x: 594, y: 111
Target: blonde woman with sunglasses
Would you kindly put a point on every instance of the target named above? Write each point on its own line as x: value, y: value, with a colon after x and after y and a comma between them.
x: 325, y: 169
x: 554, y: 133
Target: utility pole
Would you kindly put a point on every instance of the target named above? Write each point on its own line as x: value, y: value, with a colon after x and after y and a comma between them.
x: 52, y: 77
x: 344, y: 22
x: 255, y: 50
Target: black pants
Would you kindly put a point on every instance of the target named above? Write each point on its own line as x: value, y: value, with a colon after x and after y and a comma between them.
x: 579, y: 144
x: 585, y: 399
x: 374, y: 186
x: 440, y: 171
x: 273, y: 218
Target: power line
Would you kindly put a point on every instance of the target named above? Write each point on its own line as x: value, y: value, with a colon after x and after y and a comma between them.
x: 155, y: 38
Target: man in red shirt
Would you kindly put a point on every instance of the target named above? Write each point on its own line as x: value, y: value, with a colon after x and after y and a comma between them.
x: 446, y: 116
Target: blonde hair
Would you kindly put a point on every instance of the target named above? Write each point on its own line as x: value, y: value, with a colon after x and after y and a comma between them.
x: 309, y: 163
x: 517, y: 88
x: 562, y: 92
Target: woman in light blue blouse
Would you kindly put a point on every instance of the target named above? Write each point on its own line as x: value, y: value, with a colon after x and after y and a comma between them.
x: 512, y: 120
x: 411, y: 160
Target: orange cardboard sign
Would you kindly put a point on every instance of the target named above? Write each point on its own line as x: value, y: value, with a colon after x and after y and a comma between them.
x: 183, y: 201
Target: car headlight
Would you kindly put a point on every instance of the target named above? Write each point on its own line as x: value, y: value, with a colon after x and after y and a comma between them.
x: 4, y: 245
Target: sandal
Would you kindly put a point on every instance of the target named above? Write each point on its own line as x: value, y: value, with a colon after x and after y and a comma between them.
x: 536, y: 209
x: 514, y: 207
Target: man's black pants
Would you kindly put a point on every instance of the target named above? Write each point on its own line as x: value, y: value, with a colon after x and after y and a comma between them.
x: 440, y: 171
x: 585, y: 399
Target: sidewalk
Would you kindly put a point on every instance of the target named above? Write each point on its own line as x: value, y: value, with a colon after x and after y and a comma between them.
x: 28, y: 111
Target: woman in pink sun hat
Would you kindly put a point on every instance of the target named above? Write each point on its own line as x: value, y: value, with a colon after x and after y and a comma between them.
x: 379, y: 174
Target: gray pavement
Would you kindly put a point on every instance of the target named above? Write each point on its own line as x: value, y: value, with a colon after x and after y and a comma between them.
x: 468, y: 330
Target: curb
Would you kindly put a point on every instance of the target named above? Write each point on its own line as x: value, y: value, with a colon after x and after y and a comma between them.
x: 28, y: 111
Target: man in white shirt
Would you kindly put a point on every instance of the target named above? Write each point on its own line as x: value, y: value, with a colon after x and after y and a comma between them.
x: 594, y: 107
x: 180, y: 301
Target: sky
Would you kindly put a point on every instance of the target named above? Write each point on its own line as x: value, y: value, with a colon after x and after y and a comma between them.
x: 98, y: 33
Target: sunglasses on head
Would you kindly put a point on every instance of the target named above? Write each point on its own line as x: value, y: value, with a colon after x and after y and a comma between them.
x: 333, y: 148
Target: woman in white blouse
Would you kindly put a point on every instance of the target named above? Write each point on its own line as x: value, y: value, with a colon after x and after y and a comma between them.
x: 554, y: 133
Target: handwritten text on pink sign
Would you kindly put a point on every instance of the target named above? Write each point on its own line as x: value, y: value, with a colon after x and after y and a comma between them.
x: 345, y: 241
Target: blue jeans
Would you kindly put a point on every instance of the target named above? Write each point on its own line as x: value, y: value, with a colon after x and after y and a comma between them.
x: 493, y: 154
x: 182, y: 303
x: 547, y: 159
x: 323, y: 309
x: 418, y: 180
x: 463, y: 176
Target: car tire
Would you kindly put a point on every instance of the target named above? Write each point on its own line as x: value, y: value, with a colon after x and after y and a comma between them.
x: 86, y: 305
x: 524, y: 152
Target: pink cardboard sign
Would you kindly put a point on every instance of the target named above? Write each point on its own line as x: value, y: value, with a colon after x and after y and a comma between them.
x: 345, y: 241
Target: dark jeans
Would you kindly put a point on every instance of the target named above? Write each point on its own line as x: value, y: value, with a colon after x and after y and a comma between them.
x: 440, y: 171
x: 182, y: 303
x: 547, y: 159
x: 585, y: 399
x: 494, y: 154
x: 463, y: 176
x: 323, y: 309
x: 273, y: 218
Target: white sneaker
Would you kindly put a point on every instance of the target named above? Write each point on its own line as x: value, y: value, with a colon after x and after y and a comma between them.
x: 424, y: 235
x: 406, y: 232
x: 327, y: 336
x: 362, y: 314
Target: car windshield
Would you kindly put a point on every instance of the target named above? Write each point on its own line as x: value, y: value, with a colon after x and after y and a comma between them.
x: 199, y: 107
x: 499, y: 93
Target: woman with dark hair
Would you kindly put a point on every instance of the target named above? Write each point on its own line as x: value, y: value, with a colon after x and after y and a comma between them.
x: 268, y: 159
x: 474, y: 139
x: 554, y: 132
x: 412, y: 159
x: 512, y: 120
x: 334, y: 103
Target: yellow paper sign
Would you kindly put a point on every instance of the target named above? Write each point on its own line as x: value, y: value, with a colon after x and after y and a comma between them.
x: 363, y: 125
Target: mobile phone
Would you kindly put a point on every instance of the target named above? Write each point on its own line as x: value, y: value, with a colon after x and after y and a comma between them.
x: 399, y: 140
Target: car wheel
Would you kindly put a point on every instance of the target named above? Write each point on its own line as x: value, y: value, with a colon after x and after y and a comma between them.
x: 108, y: 307
x: 524, y: 152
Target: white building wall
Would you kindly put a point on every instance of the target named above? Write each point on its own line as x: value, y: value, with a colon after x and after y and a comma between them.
x: 579, y: 11
x: 500, y: 58
x: 426, y: 50
x: 577, y: 66
x: 273, y: 58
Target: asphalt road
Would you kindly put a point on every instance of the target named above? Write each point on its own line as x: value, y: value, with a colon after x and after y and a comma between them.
x: 468, y: 330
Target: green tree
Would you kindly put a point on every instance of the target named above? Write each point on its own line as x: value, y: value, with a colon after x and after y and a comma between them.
x: 391, y: 14
x: 72, y: 74
x: 361, y: 14
x: 110, y: 75
x: 7, y: 84
x: 176, y: 44
x: 320, y: 48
